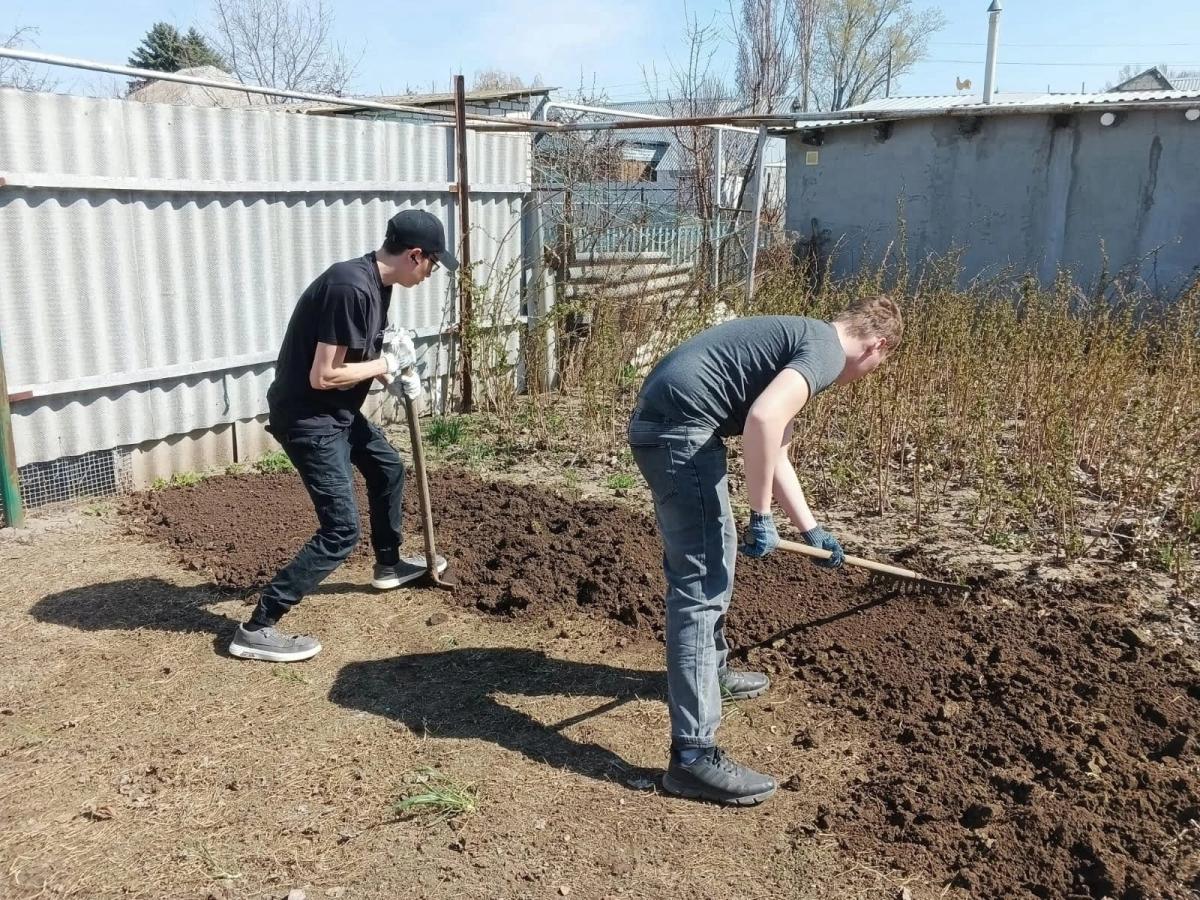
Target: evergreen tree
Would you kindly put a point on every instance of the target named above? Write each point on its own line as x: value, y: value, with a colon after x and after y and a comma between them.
x: 164, y: 49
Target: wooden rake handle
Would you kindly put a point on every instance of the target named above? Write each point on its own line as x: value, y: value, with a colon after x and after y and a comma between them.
x: 857, y: 561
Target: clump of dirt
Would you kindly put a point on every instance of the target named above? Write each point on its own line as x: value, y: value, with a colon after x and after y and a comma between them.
x: 520, y: 551
x: 1026, y: 740
x: 515, y: 550
x: 237, y: 529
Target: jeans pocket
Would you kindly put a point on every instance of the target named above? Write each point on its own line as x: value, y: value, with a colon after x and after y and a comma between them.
x: 655, y: 462
x: 307, y: 440
x: 315, y: 457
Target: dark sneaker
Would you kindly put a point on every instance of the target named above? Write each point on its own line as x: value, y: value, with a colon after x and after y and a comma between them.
x: 717, y: 778
x: 272, y: 645
x: 743, y: 685
x: 410, y: 568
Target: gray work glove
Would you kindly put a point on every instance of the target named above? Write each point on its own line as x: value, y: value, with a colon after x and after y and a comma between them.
x: 761, y: 536
x: 821, y: 539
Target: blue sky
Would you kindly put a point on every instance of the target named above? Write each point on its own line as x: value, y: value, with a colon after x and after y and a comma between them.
x: 1061, y: 44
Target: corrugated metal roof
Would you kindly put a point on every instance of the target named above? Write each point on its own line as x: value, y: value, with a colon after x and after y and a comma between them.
x: 898, y: 107
x: 934, y: 102
x: 720, y: 106
x: 816, y: 124
x: 676, y: 156
x: 153, y: 254
x: 1014, y: 99
x: 159, y: 91
x: 1186, y: 84
x: 427, y: 99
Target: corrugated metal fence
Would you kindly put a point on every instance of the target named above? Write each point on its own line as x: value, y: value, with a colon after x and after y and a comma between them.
x: 150, y: 256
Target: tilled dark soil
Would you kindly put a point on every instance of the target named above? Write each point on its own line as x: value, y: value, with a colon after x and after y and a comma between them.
x: 1027, y: 739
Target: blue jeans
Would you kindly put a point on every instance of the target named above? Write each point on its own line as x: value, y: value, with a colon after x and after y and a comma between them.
x: 684, y: 465
x: 324, y: 463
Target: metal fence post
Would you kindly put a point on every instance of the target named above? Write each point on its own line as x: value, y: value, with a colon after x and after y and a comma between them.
x: 10, y: 479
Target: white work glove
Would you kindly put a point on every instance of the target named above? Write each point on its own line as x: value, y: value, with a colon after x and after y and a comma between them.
x: 398, y: 352
x: 408, y: 385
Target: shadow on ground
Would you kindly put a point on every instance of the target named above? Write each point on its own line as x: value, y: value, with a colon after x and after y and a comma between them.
x: 452, y: 694
x: 449, y: 694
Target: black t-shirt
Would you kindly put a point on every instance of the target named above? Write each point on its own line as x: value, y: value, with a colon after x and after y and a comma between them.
x: 346, y: 306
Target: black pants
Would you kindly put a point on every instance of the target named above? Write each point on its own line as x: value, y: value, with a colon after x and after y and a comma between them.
x: 324, y: 464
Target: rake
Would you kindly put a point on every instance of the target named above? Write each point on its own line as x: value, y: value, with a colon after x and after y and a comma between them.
x: 907, y: 576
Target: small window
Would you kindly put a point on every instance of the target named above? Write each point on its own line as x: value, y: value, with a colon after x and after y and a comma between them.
x: 812, y: 157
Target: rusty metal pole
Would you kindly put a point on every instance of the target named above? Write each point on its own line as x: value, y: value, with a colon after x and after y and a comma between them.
x: 756, y: 211
x: 466, y: 281
x: 718, y: 198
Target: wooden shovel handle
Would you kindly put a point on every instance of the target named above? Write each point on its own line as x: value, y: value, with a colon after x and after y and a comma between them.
x: 418, y: 454
x: 856, y: 561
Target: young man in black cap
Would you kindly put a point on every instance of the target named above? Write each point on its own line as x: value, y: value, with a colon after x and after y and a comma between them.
x: 747, y: 377
x: 336, y: 343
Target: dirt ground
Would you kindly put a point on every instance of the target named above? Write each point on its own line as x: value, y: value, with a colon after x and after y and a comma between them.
x: 1026, y: 738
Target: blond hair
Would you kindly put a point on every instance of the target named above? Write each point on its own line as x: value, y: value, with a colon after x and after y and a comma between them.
x: 874, y: 317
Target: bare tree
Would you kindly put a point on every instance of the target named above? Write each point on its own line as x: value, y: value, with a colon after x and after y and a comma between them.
x: 17, y: 73
x: 579, y: 160
x: 500, y: 80
x: 282, y: 43
x: 764, y: 38
x: 862, y: 45
x: 694, y: 89
x: 766, y: 53
x: 804, y: 15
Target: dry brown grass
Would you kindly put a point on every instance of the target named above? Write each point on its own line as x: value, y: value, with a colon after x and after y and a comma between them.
x: 1052, y: 420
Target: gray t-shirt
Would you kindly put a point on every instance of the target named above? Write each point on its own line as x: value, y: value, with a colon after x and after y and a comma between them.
x: 714, y: 378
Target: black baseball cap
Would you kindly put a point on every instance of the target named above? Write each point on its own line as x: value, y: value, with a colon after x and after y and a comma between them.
x: 423, y: 230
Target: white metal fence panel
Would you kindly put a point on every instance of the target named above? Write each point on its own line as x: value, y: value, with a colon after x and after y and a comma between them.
x: 150, y: 256
x: 681, y: 242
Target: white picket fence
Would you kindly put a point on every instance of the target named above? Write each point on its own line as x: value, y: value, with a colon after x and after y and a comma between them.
x: 681, y: 243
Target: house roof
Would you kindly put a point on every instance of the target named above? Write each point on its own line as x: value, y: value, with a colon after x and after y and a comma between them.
x: 1150, y: 79
x: 675, y: 157
x: 492, y: 96
x: 966, y: 104
x: 1015, y: 100
x: 1154, y: 79
x: 182, y: 94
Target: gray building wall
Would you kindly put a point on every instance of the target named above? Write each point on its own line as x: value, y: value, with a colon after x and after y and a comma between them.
x: 1034, y: 193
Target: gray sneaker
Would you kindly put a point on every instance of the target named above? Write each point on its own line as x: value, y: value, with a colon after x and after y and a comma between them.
x: 272, y: 645
x: 717, y: 778
x: 743, y: 685
x: 410, y: 568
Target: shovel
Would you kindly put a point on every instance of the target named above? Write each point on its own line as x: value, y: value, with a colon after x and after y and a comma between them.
x: 431, y: 577
x: 908, y: 576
